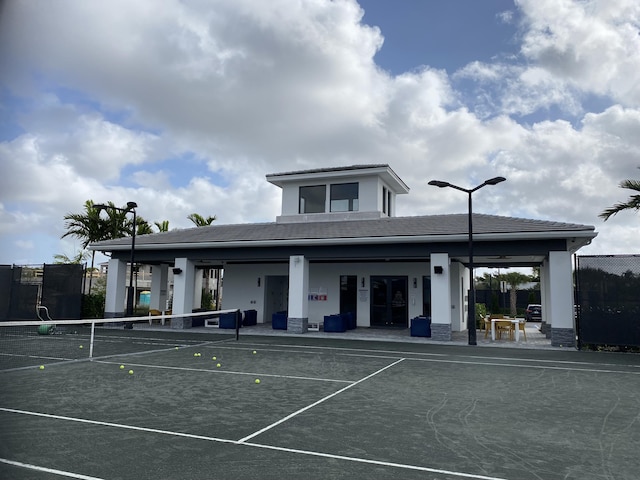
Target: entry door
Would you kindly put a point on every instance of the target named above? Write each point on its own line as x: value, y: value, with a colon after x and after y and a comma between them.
x: 276, y: 295
x: 389, y: 302
x: 426, y: 296
x: 349, y: 294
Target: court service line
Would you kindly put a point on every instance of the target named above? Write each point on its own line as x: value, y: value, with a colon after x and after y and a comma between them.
x: 255, y: 445
x: 48, y: 470
x: 373, y: 462
x: 304, y: 409
x: 520, y: 365
x: 405, y: 353
x: 227, y: 372
x: 116, y: 425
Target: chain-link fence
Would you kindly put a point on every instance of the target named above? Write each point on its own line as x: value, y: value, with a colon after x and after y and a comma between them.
x: 608, y: 300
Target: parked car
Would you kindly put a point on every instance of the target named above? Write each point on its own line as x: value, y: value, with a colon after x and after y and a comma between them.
x: 533, y: 313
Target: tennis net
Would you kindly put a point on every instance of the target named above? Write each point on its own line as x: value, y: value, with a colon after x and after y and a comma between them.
x: 33, y: 343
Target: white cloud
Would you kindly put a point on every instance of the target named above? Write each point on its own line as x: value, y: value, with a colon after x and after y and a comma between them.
x: 593, y: 45
x: 245, y: 88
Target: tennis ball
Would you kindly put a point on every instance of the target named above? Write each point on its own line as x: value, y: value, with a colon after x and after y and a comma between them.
x: 257, y: 380
x: 41, y: 367
x: 121, y: 367
x: 176, y: 348
x: 81, y: 347
x: 254, y: 352
x: 195, y: 354
x: 130, y: 372
x: 218, y: 365
x: 214, y: 358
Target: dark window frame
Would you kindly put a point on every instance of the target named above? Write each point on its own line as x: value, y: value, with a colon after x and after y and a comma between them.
x: 309, y: 199
x: 341, y: 192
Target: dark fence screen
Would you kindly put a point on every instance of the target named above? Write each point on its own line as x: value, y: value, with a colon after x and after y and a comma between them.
x: 6, y: 278
x: 62, y: 290
x: 57, y: 287
x: 608, y: 300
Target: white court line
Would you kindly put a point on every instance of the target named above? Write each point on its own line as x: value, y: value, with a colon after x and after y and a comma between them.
x: 282, y: 420
x: 519, y: 365
x: 257, y: 445
x: 339, y: 350
x: 374, y: 462
x: 116, y: 425
x: 48, y: 470
x: 228, y: 372
x: 23, y: 355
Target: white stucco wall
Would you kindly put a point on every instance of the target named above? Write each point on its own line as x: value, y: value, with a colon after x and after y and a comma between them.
x: 241, y: 288
x: 459, y: 301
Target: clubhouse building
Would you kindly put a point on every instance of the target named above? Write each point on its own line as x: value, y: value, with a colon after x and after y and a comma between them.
x: 338, y: 247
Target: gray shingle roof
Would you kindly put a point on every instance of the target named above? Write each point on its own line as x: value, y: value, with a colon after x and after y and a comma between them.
x: 418, y: 226
x: 332, y: 169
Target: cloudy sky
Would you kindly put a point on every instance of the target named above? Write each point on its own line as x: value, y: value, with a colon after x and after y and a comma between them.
x: 185, y: 106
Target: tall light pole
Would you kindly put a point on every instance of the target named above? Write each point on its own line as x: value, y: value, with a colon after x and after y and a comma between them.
x: 471, y: 321
x: 131, y: 207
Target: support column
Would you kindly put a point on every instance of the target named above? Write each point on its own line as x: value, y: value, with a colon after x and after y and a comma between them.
x: 458, y: 286
x: 563, y: 332
x: 545, y: 299
x: 440, y: 297
x: 116, y: 289
x: 159, y: 279
x: 183, y: 290
x: 197, y: 289
x: 298, y: 309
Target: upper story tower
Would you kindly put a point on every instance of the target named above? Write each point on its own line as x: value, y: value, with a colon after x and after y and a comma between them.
x: 341, y: 193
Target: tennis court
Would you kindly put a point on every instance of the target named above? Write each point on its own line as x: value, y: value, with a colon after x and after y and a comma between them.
x: 324, y: 409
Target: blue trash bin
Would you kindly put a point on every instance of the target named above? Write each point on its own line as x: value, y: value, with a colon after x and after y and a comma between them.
x: 421, y: 327
x: 279, y: 321
x: 335, y: 323
x: 250, y: 317
x: 228, y: 320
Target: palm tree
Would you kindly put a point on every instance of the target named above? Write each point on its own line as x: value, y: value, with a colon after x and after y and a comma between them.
x: 162, y: 226
x: 632, y: 204
x: 88, y: 227
x: 143, y: 227
x: 515, y: 279
x: 61, y: 258
x: 200, y: 221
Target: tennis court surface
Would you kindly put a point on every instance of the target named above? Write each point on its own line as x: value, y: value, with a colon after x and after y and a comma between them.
x: 323, y: 409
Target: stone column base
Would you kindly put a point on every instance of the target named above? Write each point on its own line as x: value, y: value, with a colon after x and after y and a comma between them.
x: 297, y: 325
x: 441, y: 332
x: 563, y: 337
x: 181, y: 323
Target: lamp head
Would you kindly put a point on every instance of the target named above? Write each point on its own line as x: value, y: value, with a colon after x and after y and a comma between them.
x: 131, y: 205
x: 495, y: 180
x: 99, y: 206
x: 438, y: 183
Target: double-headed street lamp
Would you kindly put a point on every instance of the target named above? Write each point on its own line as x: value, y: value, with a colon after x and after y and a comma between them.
x: 131, y: 207
x: 472, y: 291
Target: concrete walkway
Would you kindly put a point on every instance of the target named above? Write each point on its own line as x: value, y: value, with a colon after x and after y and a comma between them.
x: 535, y: 339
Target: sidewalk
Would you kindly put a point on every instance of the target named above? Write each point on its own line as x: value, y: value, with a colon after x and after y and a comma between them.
x: 535, y: 339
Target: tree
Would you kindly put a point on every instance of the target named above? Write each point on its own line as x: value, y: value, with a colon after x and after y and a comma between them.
x: 200, y: 221
x: 632, y: 204
x: 91, y: 226
x: 88, y: 227
x: 143, y: 227
x: 162, y: 226
x: 514, y: 280
x: 80, y: 257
